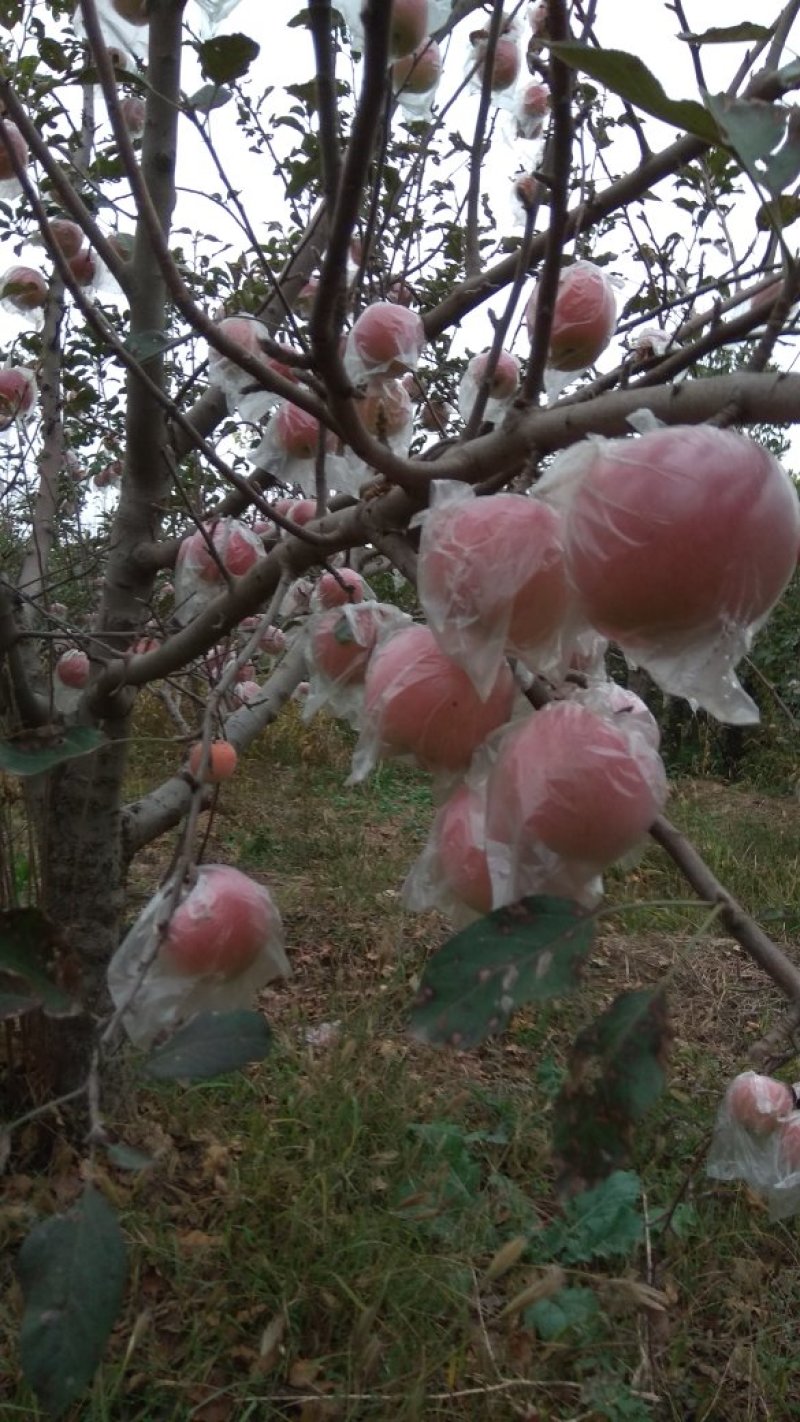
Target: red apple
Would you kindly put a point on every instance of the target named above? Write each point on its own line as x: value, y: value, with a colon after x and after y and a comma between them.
x: 574, y: 782
x: 420, y: 71
x: 72, y: 668
x: 460, y: 838
x: 680, y: 530
x: 83, y: 267
x: 331, y: 593
x: 758, y: 1102
x: 420, y: 703
x: 505, y: 379
x: 493, y: 561
x: 297, y: 432
x: 273, y: 641
x: 386, y: 409
x: 24, y: 288
x: 133, y: 112
x: 387, y: 338
x: 220, y: 764
x: 505, y: 65
x: 17, y: 394
x: 342, y: 642
x: 408, y: 26
x: 584, y: 318
x: 67, y: 236
x: 14, y: 138
x: 302, y: 511
x: 220, y: 927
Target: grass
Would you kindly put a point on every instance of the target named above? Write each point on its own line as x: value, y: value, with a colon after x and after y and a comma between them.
x: 316, y: 1237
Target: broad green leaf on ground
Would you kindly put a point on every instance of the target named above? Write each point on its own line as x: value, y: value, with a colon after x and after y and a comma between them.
x: 766, y: 137
x: 27, y: 950
x: 731, y: 34
x: 572, y: 1310
x: 72, y: 1271
x: 627, y: 76
x: 616, y: 1074
x: 210, y: 1045
x: 227, y: 57
x: 528, y: 952
x: 596, y: 1224
x: 37, y: 754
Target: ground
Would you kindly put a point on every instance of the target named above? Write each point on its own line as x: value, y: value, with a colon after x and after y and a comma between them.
x: 360, y: 1227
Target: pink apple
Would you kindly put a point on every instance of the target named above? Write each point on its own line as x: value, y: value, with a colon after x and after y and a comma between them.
x: 67, y: 236
x: 387, y: 338
x: 758, y: 1102
x: 408, y: 26
x: 24, y: 288
x: 17, y: 394
x: 72, y: 668
x: 133, y: 112
x: 386, y: 409
x: 577, y: 784
x: 420, y: 703
x: 303, y: 511
x: 273, y: 641
x: 678, y: 530
x: 492, y: 560
x: 505, y: 379
x: 20, y: 148
x: 420, y: 71
x: 342, y: 642
x: 460, y: 838
x: 83, y: 267
x: 220, y: 927
x: 584, y: 318
x: 505, y: 65
x: 331, y: 593
x: 297, y: 432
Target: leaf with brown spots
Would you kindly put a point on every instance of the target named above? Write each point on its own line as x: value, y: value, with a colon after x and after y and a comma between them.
x: 528, y: 952
x: 616, y: 1075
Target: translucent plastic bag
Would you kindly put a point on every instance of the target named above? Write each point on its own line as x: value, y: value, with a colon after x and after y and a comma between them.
x: 224, y: 942
x: 757, y: 1139
x: 415, y: 79
x: 419, y: 703
x: 340, y: 642
x: 491, y: 579
x: 678, y: 543
x: 411, y: 21
x: 200, y: 576
x: 584, y: 318
x: 387, y: 339
x: 502, y: 388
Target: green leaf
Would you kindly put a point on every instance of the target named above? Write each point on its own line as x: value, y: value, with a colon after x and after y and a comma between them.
x: 616, y: 1074
x: 211, y: 1044
x: 35, y: 756
x: 766, y: 137
x: 10, y: 13
x: 598, y: 1223
x: 52, y: 54
x: 227, y: 57
x: 127, y: 1157
x: 211, y: 96
x: 626, y: 75
x: 730, y: 34
x: 72, y: 1271
x: 778, y: 213
x: 575, y: 1309
x: 146, y: 344
x: 527, y: 952
x: 27, y: 949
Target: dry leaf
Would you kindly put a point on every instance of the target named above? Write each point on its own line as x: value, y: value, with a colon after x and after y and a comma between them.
x: 506, y: 1257
x: 543, y: 1286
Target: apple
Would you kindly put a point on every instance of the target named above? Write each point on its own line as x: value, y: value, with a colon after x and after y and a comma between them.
x: 758, y: 1102
x: 400, y: 293
x: 342, y: 642
x: 245, y: 692
x: 625, y: 709
x: 789, y: 1142
x: 220, y: 764
x: 72, y: 668
x: 106, y: 478
x: 17, y: 394
x: 297, y: 432
x: 133, y: 113
x: 386, y: 338
x: 584, y: 317
x: 273, y: 641
x: 505, y: 65
x: 436, y: 415
x: 24, y: 288
x: 486, y: 563
x: 460, y: 839
x: 680, y: 531
x: 577, y: 784
x: 331, y: 593
x: 505, y: 379
x: 408, y: 26
x: 220, y: 927
x: 83, y: 267
x: 17, y: 143
x: 421, y: 703
x: 307, y: 295
x: 535, y: 100
x: 386, y: 409
x: 66, y: 236
x: 134, y: 11
x: 420, y: 71
x: 302, y: 511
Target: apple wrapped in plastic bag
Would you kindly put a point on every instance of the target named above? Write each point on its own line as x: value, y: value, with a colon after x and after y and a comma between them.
x: 200, y: 573
x: 419, y: 703
x: 387, y: 340
x: 415, y: 79
x: 410, y: 23
x: 341, y: 640
x: 243, y: 393
x: 584, y: 319
x: 223, y: 942
x: 569, y: 793
x: 678, y: 543
x: 757, y: 1140
x: 492, y: 580
x: 503, y: 385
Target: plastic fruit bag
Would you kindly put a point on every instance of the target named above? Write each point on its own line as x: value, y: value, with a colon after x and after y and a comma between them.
x: 757, y: 1140
x: 341, y: 641
x: 224, y: 942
